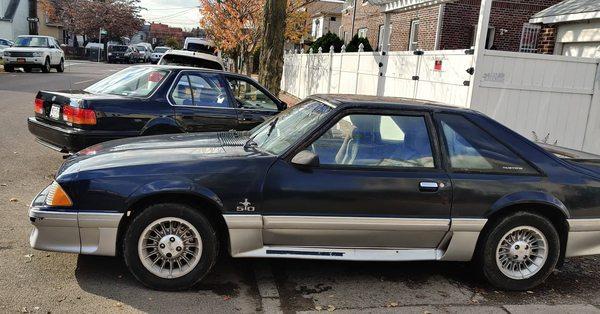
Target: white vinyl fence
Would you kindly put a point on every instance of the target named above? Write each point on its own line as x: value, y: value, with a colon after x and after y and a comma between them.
x: 540, y: 96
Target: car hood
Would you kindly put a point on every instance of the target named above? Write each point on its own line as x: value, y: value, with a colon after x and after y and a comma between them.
x: 25, y: 49
x: 166, y: 154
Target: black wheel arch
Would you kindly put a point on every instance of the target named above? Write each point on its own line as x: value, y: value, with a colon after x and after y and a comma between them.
x: 161, y: 125
x: 211, y: 209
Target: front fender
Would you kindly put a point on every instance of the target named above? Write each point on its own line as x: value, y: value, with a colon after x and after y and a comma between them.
x: 528, y: 197
x: 173, y: 186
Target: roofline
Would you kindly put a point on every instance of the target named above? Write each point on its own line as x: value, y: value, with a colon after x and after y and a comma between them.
x: 563, y: 18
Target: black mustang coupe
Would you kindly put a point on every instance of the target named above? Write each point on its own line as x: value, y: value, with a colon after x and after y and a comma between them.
x: 347, y: 178
x: 150, y: 100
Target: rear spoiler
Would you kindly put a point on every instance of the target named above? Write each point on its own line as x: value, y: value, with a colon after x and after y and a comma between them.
x: 569, y: 153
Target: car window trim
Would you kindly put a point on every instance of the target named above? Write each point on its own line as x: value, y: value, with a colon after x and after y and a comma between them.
x: 325, y: 126
x: 157, y: 88
x: 450, y: 169
x: 176, y: 80
x: 258, y: 86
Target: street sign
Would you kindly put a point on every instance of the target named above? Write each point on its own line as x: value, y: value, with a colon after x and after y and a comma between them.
x: 103, y: 31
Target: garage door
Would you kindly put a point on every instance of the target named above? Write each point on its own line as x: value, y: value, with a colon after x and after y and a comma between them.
x: 587, y: 50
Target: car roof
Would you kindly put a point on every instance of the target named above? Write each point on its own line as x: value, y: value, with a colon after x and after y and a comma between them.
x: 185, y: 68
x: 350, y: 100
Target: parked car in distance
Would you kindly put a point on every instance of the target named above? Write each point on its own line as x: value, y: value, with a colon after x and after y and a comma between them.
x: 145, y: 51
x: 158, y: 53
x: 192, y: 59
x: 354, y: 178
x: 29, y: 52
x: 197, y: 44
x: 4, y: 43
x: 120, y: 54
x: 148, y: 100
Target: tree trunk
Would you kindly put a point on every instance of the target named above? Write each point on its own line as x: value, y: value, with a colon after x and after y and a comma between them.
x: 271, y: 54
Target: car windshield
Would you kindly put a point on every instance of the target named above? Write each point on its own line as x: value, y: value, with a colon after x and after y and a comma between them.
x: 161, y: 50
x: 133, y: 81
x: 141, y: 48
x: 32, y: 42
x: 278, y: 134
x: 118, y: 48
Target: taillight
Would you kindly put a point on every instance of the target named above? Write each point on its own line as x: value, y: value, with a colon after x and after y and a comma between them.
x: 39, y: 106
x: 79, y: 115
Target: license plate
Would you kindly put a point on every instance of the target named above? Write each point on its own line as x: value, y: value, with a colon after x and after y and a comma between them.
x: 21, y: 60
x: 55, y: 112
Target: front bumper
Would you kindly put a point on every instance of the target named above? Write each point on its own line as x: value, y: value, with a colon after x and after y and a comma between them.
x: 68, y: 139
x: 23, y: 61
x: 583, y: 238
x: 93, y: 233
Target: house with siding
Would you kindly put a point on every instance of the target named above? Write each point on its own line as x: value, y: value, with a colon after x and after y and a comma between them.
x: 442, y: 24
x: 13, y: 18
x: 570, y: 28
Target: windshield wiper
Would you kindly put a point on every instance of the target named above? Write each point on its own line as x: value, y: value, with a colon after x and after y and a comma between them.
x: 250, y: 143
x: 272, y: 126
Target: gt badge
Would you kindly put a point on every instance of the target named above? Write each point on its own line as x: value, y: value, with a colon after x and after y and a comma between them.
x: 245, y: 206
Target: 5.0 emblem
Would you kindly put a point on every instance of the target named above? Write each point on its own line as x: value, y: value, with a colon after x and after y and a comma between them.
x: 245, y: 206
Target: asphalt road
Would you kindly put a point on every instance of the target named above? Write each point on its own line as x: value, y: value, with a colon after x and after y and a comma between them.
x: 38, y: 281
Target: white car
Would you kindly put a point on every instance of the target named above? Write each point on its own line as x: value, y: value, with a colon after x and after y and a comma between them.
x: 192, y: 59
x: 145, y: 50
x: 158, y: 53
x: 30, y: 52
x: 4, y: 43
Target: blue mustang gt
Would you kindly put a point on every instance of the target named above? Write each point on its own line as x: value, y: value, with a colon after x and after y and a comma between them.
x: 335, y: 177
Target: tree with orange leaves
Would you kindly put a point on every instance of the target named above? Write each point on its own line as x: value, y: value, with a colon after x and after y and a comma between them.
x: 235, y: 26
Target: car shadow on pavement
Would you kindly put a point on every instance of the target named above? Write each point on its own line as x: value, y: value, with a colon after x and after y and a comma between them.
x: 110, y: 278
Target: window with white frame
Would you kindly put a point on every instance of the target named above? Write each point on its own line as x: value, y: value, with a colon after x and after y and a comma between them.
x: 413, y: 42
x: 529, y: 38
x: 362, y: 32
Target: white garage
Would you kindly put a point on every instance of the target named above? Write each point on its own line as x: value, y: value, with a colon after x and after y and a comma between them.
x: 578, y: 27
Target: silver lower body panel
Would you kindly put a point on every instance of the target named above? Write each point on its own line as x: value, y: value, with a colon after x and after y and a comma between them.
x: 74, y: 232
x: 353, y: 238
x: 583, y: 238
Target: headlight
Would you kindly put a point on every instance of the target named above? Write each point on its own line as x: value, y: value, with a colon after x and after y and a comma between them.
x: 37, y: 54
x: 7, y: 54
x: 110, y: 54
x: 57, y: 196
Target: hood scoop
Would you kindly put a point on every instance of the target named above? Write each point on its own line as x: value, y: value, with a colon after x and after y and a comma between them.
x: 233, y: 138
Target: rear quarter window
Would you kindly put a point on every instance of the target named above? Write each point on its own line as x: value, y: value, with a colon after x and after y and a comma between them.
x: 471, y: 149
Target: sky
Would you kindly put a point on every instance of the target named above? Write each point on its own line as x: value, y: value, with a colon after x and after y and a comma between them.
x: 179, y: 13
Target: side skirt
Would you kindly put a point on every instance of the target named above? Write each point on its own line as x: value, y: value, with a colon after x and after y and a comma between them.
x: 458, y: 244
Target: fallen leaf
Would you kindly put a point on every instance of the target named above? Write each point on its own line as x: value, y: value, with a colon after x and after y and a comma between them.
x: 226, y: 298
x: 36, y: 308
x: 13, y: 200
x: 393, y: 304
x: 24, y: 310
x: 29, y: 257
x: 330, y: 308
x: 529, y: 291
x: 3, y: 184
x: 118, y: 304
x: 318, y: 308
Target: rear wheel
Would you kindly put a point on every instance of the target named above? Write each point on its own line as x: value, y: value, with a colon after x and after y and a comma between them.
x: 46, y: 67
x: 170, y: 246
x: 27, y: 69
x: 61, y: 66
x: 8, y: 68
x: 520, y: 251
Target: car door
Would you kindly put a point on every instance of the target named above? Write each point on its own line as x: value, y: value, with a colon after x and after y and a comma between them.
x: 379, y: 184
x: 201, y: 102
x: 253, y: 103
x: 56, y: 51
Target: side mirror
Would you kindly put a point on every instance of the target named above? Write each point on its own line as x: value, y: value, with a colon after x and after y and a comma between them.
x: 283, y: 105
x: 306, y: 158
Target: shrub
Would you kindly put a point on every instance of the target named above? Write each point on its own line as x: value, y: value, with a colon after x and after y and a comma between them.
x: 356, y: 41
x: 326, y: 41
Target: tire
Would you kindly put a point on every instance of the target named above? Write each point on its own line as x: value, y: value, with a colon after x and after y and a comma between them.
x: 9, y: 68
x: 46, y: 67
x: 27, y: 69
x: 491, y: 254
x: 174, y: 214
x: 60, y: 68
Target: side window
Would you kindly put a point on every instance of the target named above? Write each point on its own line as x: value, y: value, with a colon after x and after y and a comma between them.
x: 249, y: 96
x: 472, y: 149
x: 376, y: 141
x: 200, y: 91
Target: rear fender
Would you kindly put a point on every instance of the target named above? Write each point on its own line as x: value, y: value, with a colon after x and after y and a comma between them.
x: 161, y: 122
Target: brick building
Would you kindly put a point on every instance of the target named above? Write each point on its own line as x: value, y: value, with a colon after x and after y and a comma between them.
x: 442, y: 24
x: 162, y: 32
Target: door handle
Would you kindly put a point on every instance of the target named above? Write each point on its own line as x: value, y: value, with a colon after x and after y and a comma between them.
x: 428, y: 186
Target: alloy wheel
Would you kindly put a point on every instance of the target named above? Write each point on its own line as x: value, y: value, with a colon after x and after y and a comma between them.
x: 522, y: 252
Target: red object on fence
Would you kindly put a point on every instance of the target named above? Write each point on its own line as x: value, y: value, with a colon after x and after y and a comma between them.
x: 438, y: 65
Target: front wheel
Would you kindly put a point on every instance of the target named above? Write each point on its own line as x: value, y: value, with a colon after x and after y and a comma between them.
x: 170, y: 246
x: 9, y: 68
x: 520, y: 251
x: 46, y: 67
